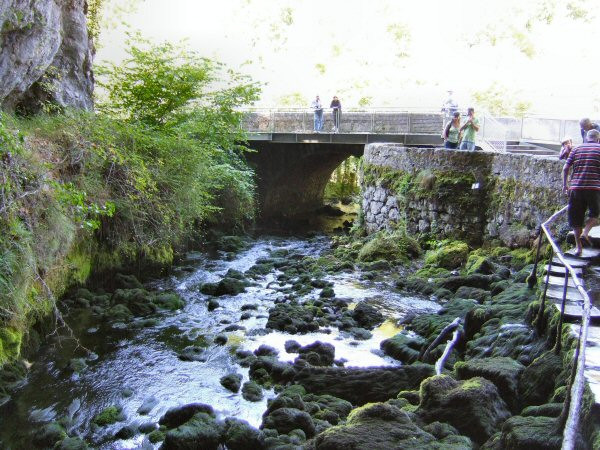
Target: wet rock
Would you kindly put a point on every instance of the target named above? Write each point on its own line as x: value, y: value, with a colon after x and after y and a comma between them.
x: 324, y: 353
x: 285, y: 420
x: 156, y: 436
x: 127, y: 282
x: 108, y: 416
x: 168, y: 300
x: 526, y: 433
x: 473, y: 406
x: 232, y: 382
x: 138, y: 301
x: 192, y: 353
x: 127, y: 432
x: 234, y: 327
x: 360, y: 333
x: 538, y: 380
x: 179, y: 415
x: 403, y: 347
x: 379, y: 426
x: 245, y: 316
x: 212, y: 304
x: 548, y: 410
x: 147, y: 405
x: 71, y: 443
x: 327, y: 292
x: 49, y: 435
x: 503, y: 372
x: 249, y: 307
x: 200, y: 431
x: 147, y: 427
x: 76, y: 365
x: 266, y: 350
x: 363, y: 385
x: 221, y: 339
x: 367, y: 316
x: 127, y: 392
x: 118, y: 313
x: 239, y: 435
x: 292, y: 318
x: 252, y: 392
x: 292, y: 346
x: 227, y: 286
x: 231, y: 244
x: 477, y: 294
x: 475, y: 280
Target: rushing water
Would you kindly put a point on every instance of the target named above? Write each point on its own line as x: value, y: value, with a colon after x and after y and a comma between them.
x: 129, y: 366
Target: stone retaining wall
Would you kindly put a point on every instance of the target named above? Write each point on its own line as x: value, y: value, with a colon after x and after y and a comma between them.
x: 458, y: 194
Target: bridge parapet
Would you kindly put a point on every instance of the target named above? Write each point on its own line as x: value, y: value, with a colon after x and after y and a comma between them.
x: 352, y: 121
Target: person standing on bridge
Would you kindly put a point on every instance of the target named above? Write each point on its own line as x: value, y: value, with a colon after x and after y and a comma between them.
x: 469, y: 130
x: 336, y: 107
x: 583, y: 188
x: 452, y: 132
x: 318, y: 109
x: 586, y: 125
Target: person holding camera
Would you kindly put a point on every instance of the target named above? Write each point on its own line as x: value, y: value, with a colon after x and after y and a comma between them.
x: 469, y: 130
x: 451, y: 134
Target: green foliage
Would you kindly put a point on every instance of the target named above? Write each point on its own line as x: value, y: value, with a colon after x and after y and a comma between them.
x: 293, y: 99
x: 499, y: 101
x: 448, y: 255
x: 343, y: 184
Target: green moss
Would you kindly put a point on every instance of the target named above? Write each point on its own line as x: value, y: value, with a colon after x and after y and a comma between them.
x: 448, y: 255
x: 10, y: 344
x: 473, y: 383
x: 432, y: 272
x: 395, y: 246
x: 108, y: 416
x: 156, y: 436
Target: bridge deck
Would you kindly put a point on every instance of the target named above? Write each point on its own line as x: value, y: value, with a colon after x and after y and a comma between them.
x: 410, y: 139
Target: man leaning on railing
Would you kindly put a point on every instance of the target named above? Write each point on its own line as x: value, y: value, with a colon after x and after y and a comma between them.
x: 583, y: 188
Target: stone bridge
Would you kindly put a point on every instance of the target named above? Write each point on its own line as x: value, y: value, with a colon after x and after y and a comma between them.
x: 294, y: 164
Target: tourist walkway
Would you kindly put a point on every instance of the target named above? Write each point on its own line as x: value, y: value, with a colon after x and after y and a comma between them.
x: 587, y: 267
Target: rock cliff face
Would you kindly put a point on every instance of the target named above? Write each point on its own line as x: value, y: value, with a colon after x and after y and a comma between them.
x: 45, y: 54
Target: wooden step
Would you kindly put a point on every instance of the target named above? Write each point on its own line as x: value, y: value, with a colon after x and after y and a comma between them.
x: 560, y: 271
x: 574, y: 311
x: 556, y: 293
x: 588, y: 254
x: 573, y: 261
x: 559, y: 281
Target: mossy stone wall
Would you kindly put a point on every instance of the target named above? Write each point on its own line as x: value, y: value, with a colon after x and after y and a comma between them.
x: 457, y: 194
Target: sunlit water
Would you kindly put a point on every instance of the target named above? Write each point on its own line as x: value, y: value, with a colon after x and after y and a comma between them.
x: 143, y: 362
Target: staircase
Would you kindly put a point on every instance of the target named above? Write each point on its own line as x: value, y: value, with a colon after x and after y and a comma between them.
x: 525, y: 148
x: 587, y: 268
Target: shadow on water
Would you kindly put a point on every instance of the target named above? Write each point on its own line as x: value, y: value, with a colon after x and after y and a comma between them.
x: 139, y: 364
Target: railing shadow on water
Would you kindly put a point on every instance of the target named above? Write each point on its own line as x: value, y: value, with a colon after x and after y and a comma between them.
x: 569, y: 418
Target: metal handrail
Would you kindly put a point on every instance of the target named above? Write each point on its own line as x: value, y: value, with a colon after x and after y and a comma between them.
x: 578, y: 380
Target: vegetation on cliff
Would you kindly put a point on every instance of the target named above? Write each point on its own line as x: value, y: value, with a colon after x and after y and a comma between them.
x: 154, y: 168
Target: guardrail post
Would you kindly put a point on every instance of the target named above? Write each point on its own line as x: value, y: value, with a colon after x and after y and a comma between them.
x: 532, y: 278
x: 558, y: 344
x: 564, y: 414
x: 540, y: 315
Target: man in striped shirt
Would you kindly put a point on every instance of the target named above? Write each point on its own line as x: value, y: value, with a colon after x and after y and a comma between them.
x: 583, y: 188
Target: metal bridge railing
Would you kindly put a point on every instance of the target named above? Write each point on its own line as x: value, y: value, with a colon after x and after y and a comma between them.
x: 572, y: 406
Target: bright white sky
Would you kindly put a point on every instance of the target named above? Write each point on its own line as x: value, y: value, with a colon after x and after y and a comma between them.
x: 347, y: 48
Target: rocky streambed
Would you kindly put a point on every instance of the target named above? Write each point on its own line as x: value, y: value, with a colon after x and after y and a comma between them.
x: 288, y: 343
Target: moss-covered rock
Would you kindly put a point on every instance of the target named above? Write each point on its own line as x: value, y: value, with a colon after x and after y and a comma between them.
x: 239, y: 435
x: 10, y: 344
x: 285, y: 420
x: 200, y: 431
x: 227, y: 286
x: 168, y: 300
x: 397, y: 246
x: 108, y: 416
x: 538, y: 380
x: 474, y: 407
x: 232, y: 382
x: 503, y: 372
x: 49, y: 435
x: 472, y: 293
x: 71, y: 443
x: 526, y: 433
x: 252, y: 392
x: 547, y: 410
x: 448, y: 255
x: 379, y: 426
x: 403, y: 347
x: 179, y: 415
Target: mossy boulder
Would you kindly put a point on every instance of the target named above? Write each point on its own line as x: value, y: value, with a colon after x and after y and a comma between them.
x: 474, y: 406
x: 503, y: 372
x: 472, y: 293
x: 227, y: 286
x: 232, y: 382
x: 397, y: 246
x: 367, y: 316
x: 285, y: 420
x: 381, y: 425
x: 202, y: 430
x: 168, y: 300
x: 138, y: 301
x: 547, y: 410
x: 108, y: 416
x: 478, y: 263
x: 403, y: 347
x: 292, y: 318
x: 538, y: 380
x: 318, y: 353
x: 49, y: 435
x: 123, y: 281
x: 252, y: 392
x: 448, y: 255
x: 239, y: 435
x: 526, y: 433
x: 10, y: 344
x: 71, y: 443
x: 179, y: 415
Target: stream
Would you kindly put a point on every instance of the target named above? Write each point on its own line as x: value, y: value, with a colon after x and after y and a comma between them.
x: 139, y: 365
